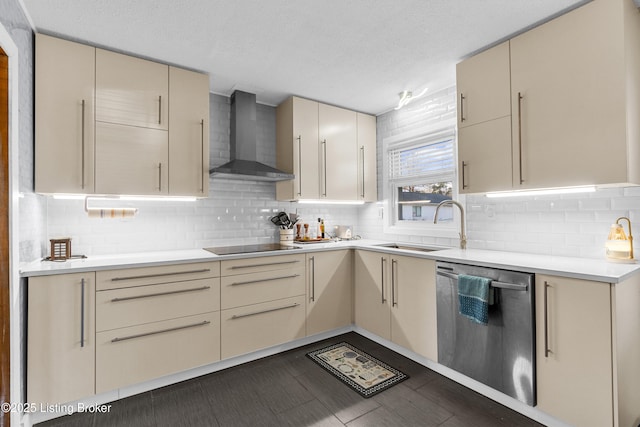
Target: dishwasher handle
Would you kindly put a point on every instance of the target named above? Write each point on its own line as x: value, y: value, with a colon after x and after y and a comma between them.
x: 494, y: 283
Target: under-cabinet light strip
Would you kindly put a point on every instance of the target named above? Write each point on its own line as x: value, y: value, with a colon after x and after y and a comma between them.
x: 543, y: 191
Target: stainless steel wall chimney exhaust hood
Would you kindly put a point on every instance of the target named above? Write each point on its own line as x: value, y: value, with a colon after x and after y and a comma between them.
x: 244, y: 151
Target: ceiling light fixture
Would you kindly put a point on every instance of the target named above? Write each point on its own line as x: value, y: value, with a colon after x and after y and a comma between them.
x: 543, y: 191
x: 406, y: 96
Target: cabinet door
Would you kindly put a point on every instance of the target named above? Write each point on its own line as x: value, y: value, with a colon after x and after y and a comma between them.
x: 143, y: 352
x: 131, y: 91
x: 188, y: 133
x: 483, y: 83
x: 367, y: 160
x: 64, y: 116
x: 413, y: 305
x: 338, y: 153
x: 305, y: 149
x: 60, y: 338
x: 329, y: 290
x: 254, y: 327
x: 131, y: 160
x: 570, y: 76
x: 484, y: 151
x: 573, y: 342
x: 372, y: 292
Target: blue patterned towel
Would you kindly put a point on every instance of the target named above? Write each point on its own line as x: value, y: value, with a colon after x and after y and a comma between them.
x: 473, y: 298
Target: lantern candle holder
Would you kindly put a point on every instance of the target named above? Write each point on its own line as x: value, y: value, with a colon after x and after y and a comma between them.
x: 619, y: 247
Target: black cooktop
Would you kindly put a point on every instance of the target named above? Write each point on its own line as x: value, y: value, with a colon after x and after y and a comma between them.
x: 245, y: 249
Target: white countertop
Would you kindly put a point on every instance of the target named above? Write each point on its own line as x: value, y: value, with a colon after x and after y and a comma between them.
x: 580, y: 268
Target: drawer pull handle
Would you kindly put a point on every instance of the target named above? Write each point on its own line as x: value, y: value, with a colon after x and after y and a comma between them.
x: 248, y: 282
x: 177, y: 328
x: 157, y: 294
x: 255, y: 313
x: 147, y: 276
x: 235, y: 267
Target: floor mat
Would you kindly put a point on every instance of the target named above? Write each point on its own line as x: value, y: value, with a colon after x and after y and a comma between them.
x: 362, y: 372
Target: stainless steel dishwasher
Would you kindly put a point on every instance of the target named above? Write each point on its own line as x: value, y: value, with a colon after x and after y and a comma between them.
x: 500, y: 354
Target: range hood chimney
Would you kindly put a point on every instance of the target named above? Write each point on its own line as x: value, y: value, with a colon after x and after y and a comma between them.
x: 244, y: 151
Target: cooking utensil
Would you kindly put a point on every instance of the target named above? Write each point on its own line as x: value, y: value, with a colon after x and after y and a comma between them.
x: 284, y: 219
x: 276, y: 220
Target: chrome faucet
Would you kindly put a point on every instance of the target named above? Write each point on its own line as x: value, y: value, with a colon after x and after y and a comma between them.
x: 463, y: 237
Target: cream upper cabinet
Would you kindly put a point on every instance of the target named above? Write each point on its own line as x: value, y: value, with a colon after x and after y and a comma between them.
x: 329, y: 290
x: 298, y: 149
x: 61, y: 338
x: 102, y: 124
x: 131, y: 160
x: 338, y: 153
x: 484, y: 121
x: 574, y: 103
x: 131, y: 91
x: 575, y: 98
x: 396, y: 300
x: 574, y: 354
x: 64, y: 116
x: 188, y: 133
x: 484, y: 92
x: 330, y: 150
x: 367, y: 170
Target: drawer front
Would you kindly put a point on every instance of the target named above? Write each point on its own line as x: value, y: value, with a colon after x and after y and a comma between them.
x: 121, y: 308
x: 246, y: 289
x: 131, y: 355
x: 116, y: 279
x: 267, y: 263
x: 251, y: 328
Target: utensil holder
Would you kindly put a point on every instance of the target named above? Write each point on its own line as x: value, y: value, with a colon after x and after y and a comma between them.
x: 286, y: 237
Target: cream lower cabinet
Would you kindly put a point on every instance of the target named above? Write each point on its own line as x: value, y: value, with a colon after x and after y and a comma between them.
x: 155, y: 321
x: 396, y: 299
x: 329, y: 290
x: 263, y: 301
x: 587, y: 344
x: 61, y: 338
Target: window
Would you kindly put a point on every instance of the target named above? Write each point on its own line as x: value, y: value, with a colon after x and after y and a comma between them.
x: 420, y: 173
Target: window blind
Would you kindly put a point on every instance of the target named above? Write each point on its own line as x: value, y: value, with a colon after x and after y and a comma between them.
x: 429, y: 159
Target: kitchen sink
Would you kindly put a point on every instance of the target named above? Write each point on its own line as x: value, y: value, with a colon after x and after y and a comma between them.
x: 407, y: 247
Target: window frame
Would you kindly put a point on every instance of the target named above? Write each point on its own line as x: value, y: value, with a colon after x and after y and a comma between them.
x: 416, y: 138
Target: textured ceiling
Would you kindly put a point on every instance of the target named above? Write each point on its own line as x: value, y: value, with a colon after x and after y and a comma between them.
x: 358, y: 54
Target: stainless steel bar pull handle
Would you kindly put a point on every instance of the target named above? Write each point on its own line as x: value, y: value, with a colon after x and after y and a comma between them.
x: 82, y: 312
x: 172, y: 273
x: 383, y: 262
x: 237, y: 267
x: 255, y: 313
x: 299, y: 138
x: 520, y: 97
x: 324, y: 167
x: 362, y: 174
x: 464, y: 181
x: 547, y: 350
x: 160, y: 177
x: 160, y: 109
x: 158, y: 294
x: 394, y: 302
x: 270, y: 279
x: 312, y: 261
x: 462, y: 98
x: 202, y: 171
x: 146, y: 334
x: 494, y: 283
x: 82, y: 140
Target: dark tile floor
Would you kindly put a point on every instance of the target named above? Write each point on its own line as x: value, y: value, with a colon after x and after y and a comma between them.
x: 289, y: 389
